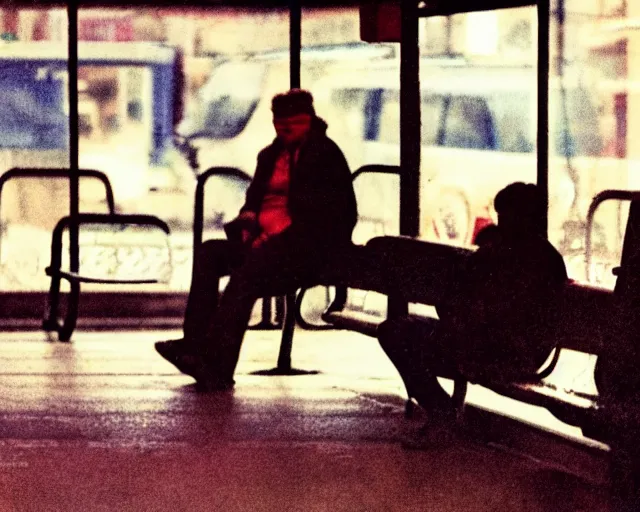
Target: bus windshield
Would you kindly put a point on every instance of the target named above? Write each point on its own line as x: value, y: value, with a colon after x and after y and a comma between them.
x: 226, y: 102
x: 32, y: 110
x: 576, y: 116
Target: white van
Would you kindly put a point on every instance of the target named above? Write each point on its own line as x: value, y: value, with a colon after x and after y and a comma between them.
x: 478, y: 133
x: 230, y: 120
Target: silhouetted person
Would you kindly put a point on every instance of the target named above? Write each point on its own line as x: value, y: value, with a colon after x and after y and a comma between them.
x: 300, y: 210
x: 498, y: 319
x: 487, y: 235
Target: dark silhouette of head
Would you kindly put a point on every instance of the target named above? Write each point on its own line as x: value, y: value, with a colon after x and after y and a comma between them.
x: 488, y: 235
x: 292, y: 102
x: 293, y: 114
x: 520, y: 209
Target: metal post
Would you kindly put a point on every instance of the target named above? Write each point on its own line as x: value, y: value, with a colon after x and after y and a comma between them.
x: 409, y: 132
x: 74, y: 181
x: 543, y: 107
x: 284, y: 357
x: 295, y: 42
x: 409, y: 121
x: 283, y: 366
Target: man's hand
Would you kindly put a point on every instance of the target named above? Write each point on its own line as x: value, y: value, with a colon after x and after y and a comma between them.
x: 248, y: 215
x: 248, y: 219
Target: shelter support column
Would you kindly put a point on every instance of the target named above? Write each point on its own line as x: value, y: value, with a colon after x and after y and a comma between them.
x: 409, y: 120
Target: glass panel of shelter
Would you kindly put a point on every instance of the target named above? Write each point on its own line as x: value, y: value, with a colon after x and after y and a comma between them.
x: 590, y: 109
x: 128, y: 107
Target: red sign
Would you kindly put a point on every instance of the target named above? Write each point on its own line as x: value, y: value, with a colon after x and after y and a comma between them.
x: 380, y: 22
x: 105, y: 29
x: 11, y: 19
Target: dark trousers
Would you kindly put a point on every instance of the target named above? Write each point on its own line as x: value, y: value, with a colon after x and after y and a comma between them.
x: 421, y: 352
x: 213, y: 260
x: 423, y: 349
x: 281, y: 265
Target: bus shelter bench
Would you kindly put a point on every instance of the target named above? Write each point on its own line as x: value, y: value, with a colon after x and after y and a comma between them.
x: 394, y: 266
x: 586, y: 310
x: 288, y: 308
x: 414, y: 271
x: 66, y: 327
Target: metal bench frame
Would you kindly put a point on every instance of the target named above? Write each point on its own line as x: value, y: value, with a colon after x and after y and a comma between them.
x: 50, y: 322
x: 198, y: 230
x: 66, y: 327
x: 57, y: 173
x: 285, y: 306
x: 579, y: 409
x: 341, y: 295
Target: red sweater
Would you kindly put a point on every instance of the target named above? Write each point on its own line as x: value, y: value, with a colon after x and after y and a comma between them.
x: 274, y: 213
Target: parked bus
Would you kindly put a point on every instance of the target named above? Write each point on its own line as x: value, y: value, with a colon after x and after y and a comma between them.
x: 127, y: 107
x: 127, y: 95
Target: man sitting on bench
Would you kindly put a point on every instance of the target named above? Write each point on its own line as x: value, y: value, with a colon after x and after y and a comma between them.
x: 300, y: 210
x: 497, y: 322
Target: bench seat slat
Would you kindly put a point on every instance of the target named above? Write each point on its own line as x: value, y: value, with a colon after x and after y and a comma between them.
x: 536, y: 393
x: 361, y: 322
x: 542, y: 394
x: 74, y: 276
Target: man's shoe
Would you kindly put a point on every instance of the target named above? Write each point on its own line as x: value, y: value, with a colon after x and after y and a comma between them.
x: 175, y: 351
x: 207, y: 378
x: 184, y: 356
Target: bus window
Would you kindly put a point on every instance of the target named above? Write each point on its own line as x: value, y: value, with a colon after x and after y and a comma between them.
x: 226, y: 116
x: 227, y: 102
x: 515, y: 128
x: 32, y: 110
x: 352, y: 105
x: 390, y: 117
x: 431, y: 130
x: 105, y: 96
x: 468, y: 124
x: 575, y: 131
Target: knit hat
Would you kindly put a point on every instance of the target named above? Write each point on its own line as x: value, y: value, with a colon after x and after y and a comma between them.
x: 293, y: 102
x: 519, y: 197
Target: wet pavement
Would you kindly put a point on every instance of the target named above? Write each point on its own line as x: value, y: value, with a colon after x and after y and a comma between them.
x: 104, y: 423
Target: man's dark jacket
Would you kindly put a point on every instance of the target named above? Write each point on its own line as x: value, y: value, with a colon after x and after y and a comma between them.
x: 321, y: 202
